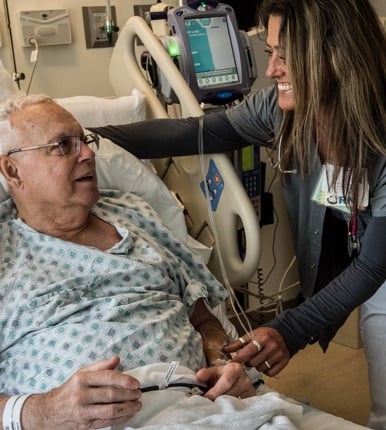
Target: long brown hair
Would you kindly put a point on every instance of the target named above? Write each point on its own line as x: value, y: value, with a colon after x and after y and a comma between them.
x: 336, y: 56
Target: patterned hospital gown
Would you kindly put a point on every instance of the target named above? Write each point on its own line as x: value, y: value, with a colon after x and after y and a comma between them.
x: 64, y: 305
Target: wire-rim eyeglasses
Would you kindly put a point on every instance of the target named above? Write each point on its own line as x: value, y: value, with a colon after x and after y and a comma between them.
x: 66, y: 146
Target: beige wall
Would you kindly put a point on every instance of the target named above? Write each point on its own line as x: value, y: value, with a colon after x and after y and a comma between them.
x: 65, y: 70
x: 69, y: 70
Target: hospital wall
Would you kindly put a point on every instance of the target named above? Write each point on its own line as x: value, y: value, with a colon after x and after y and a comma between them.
x: 63, y: 70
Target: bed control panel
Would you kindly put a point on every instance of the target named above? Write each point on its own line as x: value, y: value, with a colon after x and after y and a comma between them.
x: 213, y: 185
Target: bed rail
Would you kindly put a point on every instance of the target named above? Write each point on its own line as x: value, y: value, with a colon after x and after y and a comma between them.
x: 184, y: 176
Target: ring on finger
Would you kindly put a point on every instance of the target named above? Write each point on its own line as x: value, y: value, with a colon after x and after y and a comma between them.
x: 257, y: 345
x: 267, y: 364
x: 242, y: 341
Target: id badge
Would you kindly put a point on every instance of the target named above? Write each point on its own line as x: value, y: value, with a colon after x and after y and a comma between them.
x: 333, y: 196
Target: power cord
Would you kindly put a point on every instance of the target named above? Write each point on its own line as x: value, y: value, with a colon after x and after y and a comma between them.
x: 233, y: 301
x: 274, y: 300
x: 34, y: 59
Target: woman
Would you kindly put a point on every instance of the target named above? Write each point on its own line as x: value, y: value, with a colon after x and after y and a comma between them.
x: 326, y: 116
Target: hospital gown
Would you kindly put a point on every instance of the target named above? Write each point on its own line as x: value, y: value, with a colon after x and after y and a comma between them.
x: 64, y: 305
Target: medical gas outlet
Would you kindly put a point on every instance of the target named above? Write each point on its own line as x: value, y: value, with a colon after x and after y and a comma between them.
x: 99, y: 28
x: 47, y: 27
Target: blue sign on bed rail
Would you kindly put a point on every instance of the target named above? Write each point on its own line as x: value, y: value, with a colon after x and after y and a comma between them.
x: 214, y: 185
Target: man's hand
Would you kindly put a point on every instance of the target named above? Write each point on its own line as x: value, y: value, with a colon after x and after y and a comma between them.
x: 96, y: 396
x: 230, y: 379
x: 263, y: 348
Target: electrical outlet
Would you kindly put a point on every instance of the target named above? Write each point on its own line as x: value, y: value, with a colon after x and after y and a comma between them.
x: 94, y: 20
x: 383, y: 21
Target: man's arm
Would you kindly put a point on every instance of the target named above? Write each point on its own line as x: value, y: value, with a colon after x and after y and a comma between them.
x: 213, y: 334
x: 221, y: 377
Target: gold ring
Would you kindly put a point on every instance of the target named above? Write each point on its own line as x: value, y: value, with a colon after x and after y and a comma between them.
x: 242, y: 341
x: 257, y: 345
x: 267, y: 364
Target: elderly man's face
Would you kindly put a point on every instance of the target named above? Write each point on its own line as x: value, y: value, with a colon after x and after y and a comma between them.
x: 49, y: 179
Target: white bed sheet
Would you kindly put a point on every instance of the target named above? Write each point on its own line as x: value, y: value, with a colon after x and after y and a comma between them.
x: 172, y: 408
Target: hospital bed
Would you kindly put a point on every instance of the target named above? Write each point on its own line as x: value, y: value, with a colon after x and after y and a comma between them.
x: 183, y: 174
x: 117, y: 168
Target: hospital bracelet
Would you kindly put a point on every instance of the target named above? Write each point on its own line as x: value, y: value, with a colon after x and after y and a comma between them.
x: 12, y: 412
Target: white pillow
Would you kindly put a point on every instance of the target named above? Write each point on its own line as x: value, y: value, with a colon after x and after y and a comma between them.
x: 8, y: 86
x: 120, y: 170
x: 93, y: 111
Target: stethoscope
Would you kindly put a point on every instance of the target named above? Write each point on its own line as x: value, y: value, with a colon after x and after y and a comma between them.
x: 353, y: 244
x: 277, y: 165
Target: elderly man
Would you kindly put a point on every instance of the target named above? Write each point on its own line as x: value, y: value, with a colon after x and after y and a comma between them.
x: 90, y: 286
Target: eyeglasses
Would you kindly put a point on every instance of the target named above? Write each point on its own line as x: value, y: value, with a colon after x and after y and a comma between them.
x: 64, y: 147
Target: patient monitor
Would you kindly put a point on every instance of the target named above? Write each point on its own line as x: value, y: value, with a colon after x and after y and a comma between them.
x: 213, y: 56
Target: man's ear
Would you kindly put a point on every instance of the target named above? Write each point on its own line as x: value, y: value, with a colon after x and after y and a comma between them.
x: 9, y: 170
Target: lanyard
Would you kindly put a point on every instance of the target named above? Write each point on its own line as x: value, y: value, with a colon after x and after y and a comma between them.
x: 353, y: 244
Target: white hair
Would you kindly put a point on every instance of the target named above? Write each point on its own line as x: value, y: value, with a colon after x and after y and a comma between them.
x: 14, y: 104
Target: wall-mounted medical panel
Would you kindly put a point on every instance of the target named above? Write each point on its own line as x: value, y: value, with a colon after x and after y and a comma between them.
x: 95, y: 23
x: 48, y: 27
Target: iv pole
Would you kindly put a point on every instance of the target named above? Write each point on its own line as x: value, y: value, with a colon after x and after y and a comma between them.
x: 17, y: 77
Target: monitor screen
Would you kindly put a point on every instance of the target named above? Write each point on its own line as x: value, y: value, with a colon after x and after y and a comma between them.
x: 212, y: 52
x: 211, y: 49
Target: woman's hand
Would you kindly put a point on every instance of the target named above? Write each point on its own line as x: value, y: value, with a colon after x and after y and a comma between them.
x: 229, y: 379
x: 263, y: 348
x: 96, y: 396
